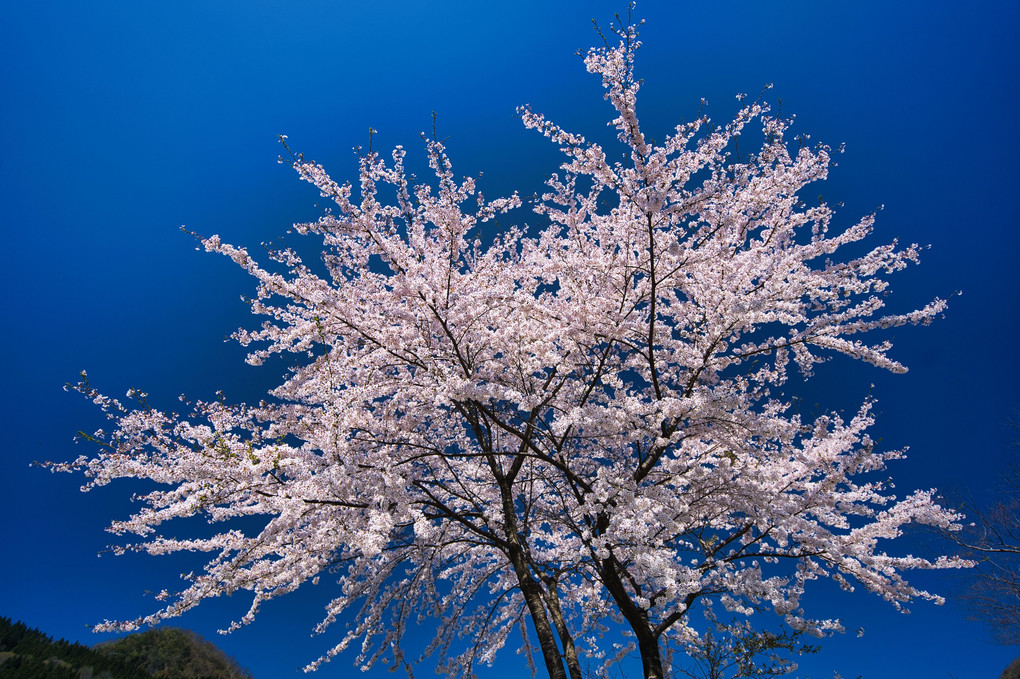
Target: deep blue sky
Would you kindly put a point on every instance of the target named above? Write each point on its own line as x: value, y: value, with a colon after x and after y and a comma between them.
x: 123, y: 121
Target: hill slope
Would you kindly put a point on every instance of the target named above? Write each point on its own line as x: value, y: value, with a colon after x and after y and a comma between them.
x: 172, y: 653
x: 164, y: 653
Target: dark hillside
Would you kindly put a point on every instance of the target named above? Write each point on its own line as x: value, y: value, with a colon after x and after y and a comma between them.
x: 27, y: 653
x: 166, y: 653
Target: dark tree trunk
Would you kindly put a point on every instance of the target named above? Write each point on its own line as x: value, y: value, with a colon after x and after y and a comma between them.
x: 569, y: 651
x: 530, y: 588
x: 637, y: 617
x: 651, y: 661
x: 536, y: 607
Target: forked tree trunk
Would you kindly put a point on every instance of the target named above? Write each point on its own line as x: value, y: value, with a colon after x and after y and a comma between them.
x: 569, y: 651
x: 530, y: 588
x: 651, y: 660
x: 648, y: 640
x: 536, y: 607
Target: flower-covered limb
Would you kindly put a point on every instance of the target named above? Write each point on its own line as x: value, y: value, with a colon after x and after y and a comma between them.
x: 585, y: 422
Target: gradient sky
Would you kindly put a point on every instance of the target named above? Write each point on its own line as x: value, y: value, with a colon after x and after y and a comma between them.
x: 125, y: 120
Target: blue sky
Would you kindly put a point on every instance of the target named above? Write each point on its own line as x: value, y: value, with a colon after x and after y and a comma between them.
x: 124, y: 121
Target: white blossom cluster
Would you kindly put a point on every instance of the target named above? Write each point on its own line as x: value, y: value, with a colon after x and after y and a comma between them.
x: 558, y: 429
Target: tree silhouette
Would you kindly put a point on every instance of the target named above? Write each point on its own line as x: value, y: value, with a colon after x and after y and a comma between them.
x: 992, y: 539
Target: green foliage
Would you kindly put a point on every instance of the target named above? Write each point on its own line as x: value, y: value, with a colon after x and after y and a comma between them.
x: 172, y: 653
x: 27, y: 653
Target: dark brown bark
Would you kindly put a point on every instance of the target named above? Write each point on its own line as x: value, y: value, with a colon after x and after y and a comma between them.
x: 651, y: 661
x: 543, y: 629
x: 513, y: 545
x: 530, y: 588
x: 612, y: 574
x: 637, y: 617
x: 569, y: 651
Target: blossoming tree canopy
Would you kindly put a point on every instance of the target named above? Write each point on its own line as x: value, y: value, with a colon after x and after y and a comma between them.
x: 563, y: 426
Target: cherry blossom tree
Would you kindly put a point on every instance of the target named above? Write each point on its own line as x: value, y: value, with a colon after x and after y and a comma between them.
x: 556, y: 430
